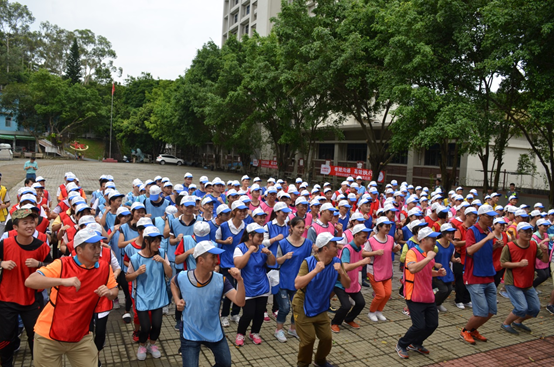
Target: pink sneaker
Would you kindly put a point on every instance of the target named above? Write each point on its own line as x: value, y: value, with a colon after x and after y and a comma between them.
x: 275, y: 313
x: 255, y: 338
x: 239, y: 341
x: 266, y: 317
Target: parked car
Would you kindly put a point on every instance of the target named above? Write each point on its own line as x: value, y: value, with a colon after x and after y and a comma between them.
x: 168, y: 158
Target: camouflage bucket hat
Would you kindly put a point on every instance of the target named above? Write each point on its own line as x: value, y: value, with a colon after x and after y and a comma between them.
x: 23, y: 213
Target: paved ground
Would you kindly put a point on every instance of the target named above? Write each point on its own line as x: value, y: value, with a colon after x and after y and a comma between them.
x: 373, y: 344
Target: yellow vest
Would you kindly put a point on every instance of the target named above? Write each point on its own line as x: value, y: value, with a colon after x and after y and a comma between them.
x: 3, y: 212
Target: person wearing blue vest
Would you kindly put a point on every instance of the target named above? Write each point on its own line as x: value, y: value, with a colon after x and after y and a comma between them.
x: 222, y: 216
x: 185, y: 249
x: 123, y: 215
x: 445, y: 256
x: 251, y: 256
x: 202, y: 290
x: 180, y: 226
x: 292, y: 251
x: 315, y: 282
x: 107, y: 218
x: 344, y: 213
x: 149, y: 290
x: 229, y: 236
x: 418, y: 292
x: 155, y: 205
x: 134, y: 194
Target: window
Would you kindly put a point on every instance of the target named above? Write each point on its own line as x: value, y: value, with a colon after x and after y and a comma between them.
x: 235, y: 18
x: 246, y: 29
x: 8, y: 122
x: 247, y: 9
x: 326, y: 151
x: 236, y: 2
x: 400, y: 158
x: 356, y: 152
x: 433, y: 156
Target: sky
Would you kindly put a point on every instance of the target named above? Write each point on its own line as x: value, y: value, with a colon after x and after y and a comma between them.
x: 160, y: 37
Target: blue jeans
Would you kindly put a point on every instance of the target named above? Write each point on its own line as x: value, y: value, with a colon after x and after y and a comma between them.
x: 525, y: 301
x: 483, y: 298
x: 32, y: 176
x: 284, y: 298
x: 190, y: 351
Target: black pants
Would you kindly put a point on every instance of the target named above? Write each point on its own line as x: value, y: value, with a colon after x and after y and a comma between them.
x: 347, y: 312
x: 444, y: 290
x: 462, y: 294
x: 542, y: 276
x: 226, y: 302
x: 425, y: 319
x: 98, y: 326
x: 150, y: 330
x: 253, y: 311
x: 498, y: 276
x: 9, y: 328
x: 124, y: 285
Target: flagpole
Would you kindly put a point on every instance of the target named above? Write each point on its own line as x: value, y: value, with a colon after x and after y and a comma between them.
x: 111, y: 121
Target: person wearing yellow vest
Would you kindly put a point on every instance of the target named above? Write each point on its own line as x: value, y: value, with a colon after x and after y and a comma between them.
x: 4, y: 205
x: 518, y: 258
x: 78, y: 282
x: 418, y: 291
x: 521, y: 216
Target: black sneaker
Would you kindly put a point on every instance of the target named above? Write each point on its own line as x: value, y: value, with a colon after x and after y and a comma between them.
x: 509, y: 329
x: 421, y: 349
x: 402, y: 352
x: 327, y: 364
x: 550, y: 308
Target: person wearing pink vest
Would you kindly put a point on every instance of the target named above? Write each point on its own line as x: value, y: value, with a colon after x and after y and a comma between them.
x: 541, y: 236
x: 380, y: 270
x: 353, y: 259
x: 418, y: 292
x: 323, y: 224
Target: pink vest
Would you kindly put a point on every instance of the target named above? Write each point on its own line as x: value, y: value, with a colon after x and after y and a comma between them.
x: 423, y: 281
x: 320, y: 229
x: 348, y: 235
x: 382, y: 265
x: 307, y: 222
x: 355, y: 256
x: 539, y: 264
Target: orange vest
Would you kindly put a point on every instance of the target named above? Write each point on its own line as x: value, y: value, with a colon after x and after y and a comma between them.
x: 74, y: 310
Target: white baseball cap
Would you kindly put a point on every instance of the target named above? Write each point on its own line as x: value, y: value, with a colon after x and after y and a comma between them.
x: 136, y: 205
x: 258, y: 211
x: 144, y: 222
x: 327, y: 206
x: 86, y: 219
x: 79, y: 208
x: 151, y: 231
x: 86, y: 235
x: 382, y: 220
x: 470, y: 210
x: 360, y: 228
x: 447, y: 227
x: 188, y: 175
x: 427, y: 232
x: 324, y: 238
x: 280, y: 206
x: 201, y: 229
x: 255, y: 227
x: 521, y: 213
x: 188, y: 201
x: 523, y: 226
x: 207, y: 200
x: 203, y: 179
x: 222, y: 208
x: 499, y: 221
x: 206, y: 246
x: 301, y: 200
x: 239, y: 205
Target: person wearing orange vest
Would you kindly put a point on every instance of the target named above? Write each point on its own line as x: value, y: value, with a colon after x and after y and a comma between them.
x: 418, y: 291
x: 78, y: 283
x: 518, y: 258
x: 21, y: 255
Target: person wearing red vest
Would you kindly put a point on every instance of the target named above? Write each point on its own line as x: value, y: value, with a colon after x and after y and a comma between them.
x: 418, y: 291
x: 78, y: 283
x: 518, y: 258
x: 21, y: 255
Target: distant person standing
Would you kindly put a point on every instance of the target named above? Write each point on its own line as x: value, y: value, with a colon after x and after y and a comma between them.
x: 4, y: 206
x: 31, y: 168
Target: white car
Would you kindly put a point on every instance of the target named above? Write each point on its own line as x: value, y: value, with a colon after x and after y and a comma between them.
x: 168, y: 158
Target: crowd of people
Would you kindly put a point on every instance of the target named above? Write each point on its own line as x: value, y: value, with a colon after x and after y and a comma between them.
x: 219, y: 250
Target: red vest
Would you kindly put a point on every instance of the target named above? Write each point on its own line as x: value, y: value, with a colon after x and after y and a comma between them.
x: 423, y: 281
x: 63, y: 191
x: 42, y: 227
x: 41, y: 236
x: 71, y: 231
x: 74, y: 310
x: 523, y: 277
x: 12, y: 285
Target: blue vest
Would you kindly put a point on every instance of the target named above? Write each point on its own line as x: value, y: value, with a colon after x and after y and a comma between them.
x: 215, y: 201
x: 155, y: 211
x: 150, y: 289
x: 130, y: 251
x: 177, y: 227
x: 443, y: 257
x: 110, y: 220
x: 482, y: 259
x: 274, y: 230
x: 116, y: 250
x: 188, y: 243
x: 226, y: 258
x: 201, y: 314
x: 199, y: 193
x: 344, y: 221
x: 254, y: 274
x: 160, y: 224
x: 320, y: 287
x: 213, y: 230
x: 289, y: 269
x: 248, y: 220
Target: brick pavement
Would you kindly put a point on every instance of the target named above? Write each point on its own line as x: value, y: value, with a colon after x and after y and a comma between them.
x: 373, y: 344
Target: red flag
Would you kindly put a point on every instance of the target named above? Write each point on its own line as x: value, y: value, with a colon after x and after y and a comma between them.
x: 113, y: 88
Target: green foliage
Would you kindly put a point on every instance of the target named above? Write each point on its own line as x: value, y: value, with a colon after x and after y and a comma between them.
x: 73, y: 64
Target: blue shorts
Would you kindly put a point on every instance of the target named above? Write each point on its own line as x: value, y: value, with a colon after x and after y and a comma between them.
x: 525, y: 301
x: 483, y: 298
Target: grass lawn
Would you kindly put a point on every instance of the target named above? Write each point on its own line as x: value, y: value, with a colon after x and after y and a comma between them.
x: 95, y: 148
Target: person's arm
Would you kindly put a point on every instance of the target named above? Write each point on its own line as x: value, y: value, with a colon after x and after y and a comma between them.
x: 174, y: 241
x: 166, y: 226
x: 542, y: 250
x: 270, y: 257
x: 343, y: 277
x: 103, y: 219
x: 132, y: 275
x: 285, y: 257
x: 415, y: 267
x: 241, y: 261
x: 165, y: 262
x: 121, y: 243
x: 39, y: 281
x: 302, y: 281
x: 473, y: 247
x: 348, y: 266
x: 237, y: 296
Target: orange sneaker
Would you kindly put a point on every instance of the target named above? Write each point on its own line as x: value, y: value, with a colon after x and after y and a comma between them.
x: 353, y: 325
x: 335, y: 328
x: 466, y: 335
x: 475, y: 334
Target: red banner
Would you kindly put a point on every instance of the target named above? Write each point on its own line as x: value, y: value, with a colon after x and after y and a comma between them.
x: 366, y: 174
x: 266, y: 163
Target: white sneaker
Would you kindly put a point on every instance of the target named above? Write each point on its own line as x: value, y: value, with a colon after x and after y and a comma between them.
x: 165, y: 310
x: 380, y: 316
x: 235, y: 318
x: 280, y: 335
x: 116, y: 305
x: 373, y: 316
x: 292, y: 332
x: 441, y: 308
x: 153, y: 349
x: 141, y: 354
x: 225, y: 322
x: 352, y: 301
x: 469, y: 304
x: 460, y: 306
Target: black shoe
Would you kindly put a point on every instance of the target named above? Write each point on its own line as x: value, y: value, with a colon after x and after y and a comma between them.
x: 421, y: 349
x: 402, y: 352
x: 365, y: 284
x: 99, y: 363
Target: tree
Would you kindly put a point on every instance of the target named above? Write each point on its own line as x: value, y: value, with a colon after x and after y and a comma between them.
x: 97, y: 55
x: 73, y: 64
x: 14, y: 24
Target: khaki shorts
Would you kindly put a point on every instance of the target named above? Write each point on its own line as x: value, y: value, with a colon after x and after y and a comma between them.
x: 49, y: 353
